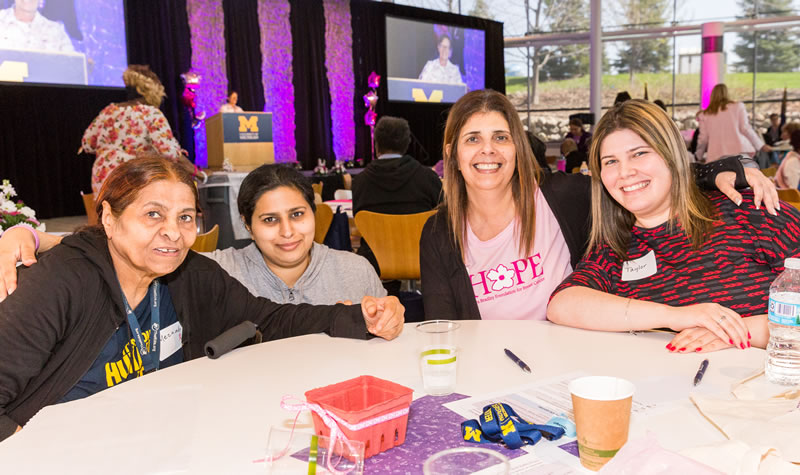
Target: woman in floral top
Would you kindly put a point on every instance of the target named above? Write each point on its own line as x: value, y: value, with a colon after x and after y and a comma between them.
x: 122, y: 131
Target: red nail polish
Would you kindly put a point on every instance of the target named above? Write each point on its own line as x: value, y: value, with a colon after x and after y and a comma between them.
x: 682, y: 349
x: 698, y: 349
x: 742, y: 345
x: 748, y: 336
x: 669, y: 347
x: 730, y: 340
x: 748, y: 344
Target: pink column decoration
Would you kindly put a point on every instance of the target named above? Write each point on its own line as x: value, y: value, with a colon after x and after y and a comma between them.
x: 339, y: 65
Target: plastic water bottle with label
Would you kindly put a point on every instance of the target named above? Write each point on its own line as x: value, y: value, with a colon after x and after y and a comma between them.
x: 561, y: 164
x: 584, y: 168
x: 783, y: 350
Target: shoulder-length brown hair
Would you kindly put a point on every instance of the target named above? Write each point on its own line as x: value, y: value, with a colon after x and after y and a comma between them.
x: 526, y: 172
x: 611, y: 223
x: 719, y: 99
x: 123, y: 184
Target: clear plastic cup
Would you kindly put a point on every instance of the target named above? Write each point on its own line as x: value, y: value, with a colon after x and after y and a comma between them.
x: 438, y: 356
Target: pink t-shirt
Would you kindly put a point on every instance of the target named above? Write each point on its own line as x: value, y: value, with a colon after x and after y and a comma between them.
x: 508, y: 286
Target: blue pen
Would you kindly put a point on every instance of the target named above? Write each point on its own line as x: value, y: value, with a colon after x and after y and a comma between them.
x: 700, y: 372
x: 516, y: 359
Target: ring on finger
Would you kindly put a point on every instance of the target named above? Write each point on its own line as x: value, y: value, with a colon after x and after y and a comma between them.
x: 721, y: 319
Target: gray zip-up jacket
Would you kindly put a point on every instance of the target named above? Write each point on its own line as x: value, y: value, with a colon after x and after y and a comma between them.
x: 332, y: 276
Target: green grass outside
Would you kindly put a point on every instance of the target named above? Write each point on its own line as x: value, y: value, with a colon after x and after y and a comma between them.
x: 660, y: 84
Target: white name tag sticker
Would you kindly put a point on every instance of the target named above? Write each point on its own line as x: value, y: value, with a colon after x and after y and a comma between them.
x: 171, y: 338
x: 640, y: 268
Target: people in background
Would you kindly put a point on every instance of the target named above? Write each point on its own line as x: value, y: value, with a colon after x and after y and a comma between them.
x: 23, y: 27
x: 788, y: 174
x: 572, y: 155
x: 539, y: 150
x: 231, y: 105
x: 724, y: 129
x: 788, y: 129
x: 663, y: 254
x: 122, y: 131
x: 581, y: 137
x: 283, y: 264
x: 506, y: 235
x: 441, y: 69
x: 773, y: 133
x: 395, y: 183
x: 111, y: 302
x: 660, y: 104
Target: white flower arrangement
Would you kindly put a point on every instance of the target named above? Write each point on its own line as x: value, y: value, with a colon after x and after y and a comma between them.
x: 12, y: 213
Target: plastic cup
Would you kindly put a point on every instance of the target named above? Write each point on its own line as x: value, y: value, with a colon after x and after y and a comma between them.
x: 438, y: 356
x: 290, y: 452
x: 602, y: 407
x: 463, y: 460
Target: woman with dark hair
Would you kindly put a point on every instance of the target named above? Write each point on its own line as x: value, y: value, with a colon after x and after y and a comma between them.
x: 122, y: 131
x: 231, y: 104
x: 506, y: 235
x: 127, y: 297
x: 441, y: 69
x: 724, y: 129
x: 581, y: 137
x: 283, y: 264
x: 663, y: 254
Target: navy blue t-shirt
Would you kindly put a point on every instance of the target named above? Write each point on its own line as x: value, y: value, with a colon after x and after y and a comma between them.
x: 119, y: 361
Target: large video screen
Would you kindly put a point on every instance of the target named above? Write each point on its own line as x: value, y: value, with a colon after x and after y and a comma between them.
x: 78, y: 42
x: 430, y: 62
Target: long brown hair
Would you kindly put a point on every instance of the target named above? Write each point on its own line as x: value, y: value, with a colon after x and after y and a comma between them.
x: 611, y: 223
x: 526, y: 172
x: 124, y: 183
x: 719, y: 99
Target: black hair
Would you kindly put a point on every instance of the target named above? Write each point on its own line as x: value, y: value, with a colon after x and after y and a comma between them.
x: 622, y: 97
x: 660, y: 104
x: 794, y: 139
x: 442, y: 37
x: 539, y: 149
x: 392, y: 135
x: 267, y: 178
x: 576, y: 122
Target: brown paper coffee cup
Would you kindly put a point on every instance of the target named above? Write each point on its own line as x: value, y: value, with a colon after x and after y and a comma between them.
x: 602, y: 408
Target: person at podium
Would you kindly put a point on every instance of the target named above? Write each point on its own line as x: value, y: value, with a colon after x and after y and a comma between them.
x: 231, y: 105
x: 441, y: 69
x: 23, y: 27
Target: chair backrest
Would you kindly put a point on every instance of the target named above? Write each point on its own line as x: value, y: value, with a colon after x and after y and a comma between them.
x: 796, y: 204
x: 394, y: 239
x: 322, y: 222
x: 789, y: 195
x: 769, y: 171
x: 317, y: 187
x: 88, y: 204
x: 343, y: 195
x: 207, y: 242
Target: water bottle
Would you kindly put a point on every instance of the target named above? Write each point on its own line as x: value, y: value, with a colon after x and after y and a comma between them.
x: 584, y: 168
x: 783, y: 350
x: 561, y: 164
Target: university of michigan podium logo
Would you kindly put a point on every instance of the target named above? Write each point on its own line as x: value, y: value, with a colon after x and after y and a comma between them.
x: 419, y: 95
x: 248, y: 123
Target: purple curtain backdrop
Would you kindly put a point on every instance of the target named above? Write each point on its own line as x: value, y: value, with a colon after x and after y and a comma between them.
x: 474, y: 59
x: 339, y: 66
x: 276, y: 74
x: 207, y: 26
x: 102, y: 24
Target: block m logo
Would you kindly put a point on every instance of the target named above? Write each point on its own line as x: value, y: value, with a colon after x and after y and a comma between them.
x: 419, y: 95
x: 248, y: 123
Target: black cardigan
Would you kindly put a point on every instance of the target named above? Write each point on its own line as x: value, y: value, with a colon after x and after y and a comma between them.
x: 446, y: 289
x: 69, y: 304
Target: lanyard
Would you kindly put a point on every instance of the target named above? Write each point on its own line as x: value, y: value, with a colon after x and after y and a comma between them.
x: 150, y: 356
x: 499, y: 423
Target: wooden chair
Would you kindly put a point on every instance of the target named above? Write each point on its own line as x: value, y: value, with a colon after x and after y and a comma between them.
x: 89, y: 205
x: 796, y: 204
x: 322, y: 222
x: 207, y: 242
x: 770, y: 171
x: 317, y: 187
x: 394, y: 239
x: 789, y: 195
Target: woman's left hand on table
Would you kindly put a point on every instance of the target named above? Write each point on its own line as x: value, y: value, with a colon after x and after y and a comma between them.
x: 697, y: 340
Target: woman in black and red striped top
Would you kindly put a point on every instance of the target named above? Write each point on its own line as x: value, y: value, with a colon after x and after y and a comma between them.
x: 662, y: 254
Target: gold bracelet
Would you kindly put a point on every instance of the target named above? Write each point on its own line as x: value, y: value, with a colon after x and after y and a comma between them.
x: 627, y: 324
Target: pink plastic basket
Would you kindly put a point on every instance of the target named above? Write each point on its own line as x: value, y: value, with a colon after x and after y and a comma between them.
x: 360, y: 399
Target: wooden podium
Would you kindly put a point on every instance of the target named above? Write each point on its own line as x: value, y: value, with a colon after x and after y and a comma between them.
x: 244, y: 138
